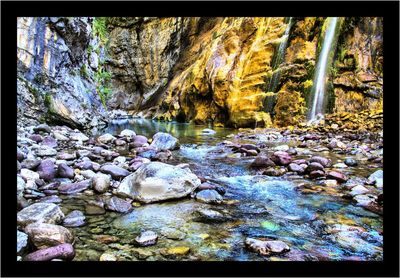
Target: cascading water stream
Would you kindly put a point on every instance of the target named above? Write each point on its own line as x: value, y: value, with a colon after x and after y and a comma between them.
x: 318, y: 89
x: 279, y: 58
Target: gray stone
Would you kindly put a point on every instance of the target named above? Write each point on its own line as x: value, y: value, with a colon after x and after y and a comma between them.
x: 47, y: 170
x: 101, y: 182
x: 209, y: 196
x: 30, y: 164
x: 115, y: 171
x: 156, y: 181
x: 45, y: 235
x: 74, y: 219
x: 106, y: 138
x: 127, y: 133
x: 40, y: 212
x: 73, y: 188
x: 266, y: 248
x: 43, y: 128
x: 164, y: 141
x: 22, y: 242
x: 49, y: 141
x: 118, y: 205
x: 146, y: 238
x: 64, y: 171
x: 29, y: 175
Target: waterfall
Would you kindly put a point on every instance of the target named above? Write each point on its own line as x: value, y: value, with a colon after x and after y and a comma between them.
x: 273, y: 83
x: 320, y: 76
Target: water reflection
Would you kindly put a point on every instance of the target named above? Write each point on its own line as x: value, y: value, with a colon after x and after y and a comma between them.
x: 187, y: 133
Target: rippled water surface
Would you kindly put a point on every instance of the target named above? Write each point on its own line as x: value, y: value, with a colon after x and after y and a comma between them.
x: 257, y: 206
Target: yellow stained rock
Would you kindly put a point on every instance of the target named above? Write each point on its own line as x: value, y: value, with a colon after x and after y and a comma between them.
x: 204, y: 236
x: 179, y: 250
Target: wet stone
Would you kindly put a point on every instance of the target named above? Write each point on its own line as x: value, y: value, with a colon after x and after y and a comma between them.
x: 118, y: 205
x: 209, y: 196
x: 350, y: 162
x: 340, y: 177
x: 74, y: 219
x: 146, y: 238
x: 30, y: 164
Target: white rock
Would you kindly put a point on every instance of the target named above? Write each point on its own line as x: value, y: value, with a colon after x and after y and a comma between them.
x: 127, y: 133
x: 358, y: 190
x: 29, y: 175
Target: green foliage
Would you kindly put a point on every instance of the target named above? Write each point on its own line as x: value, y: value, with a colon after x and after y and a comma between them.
x: 102, y: 79
x: 83, y: 71
x: 100, y: 29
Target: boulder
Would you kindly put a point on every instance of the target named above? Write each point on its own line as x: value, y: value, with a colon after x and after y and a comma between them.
x: 43, y: 128
x: 325, y: 162
x: 78, y: 136
x: 72, y: 188
x: 281, y: 158
x: 49, y: 141
x: 266, y: 247
x: 63, y: 251
x: 106, y: 138
x: 296, y: 168
x: 66, y: 156
x: 22, y: 242
x: 164, y: 141
x: 118, y: 205
x: 127, y: 133
x: 101, y: 182
x: 20, y: 155
x: 156, y: 181
x: 40, y: 212
x: 45, y: 235
x: 209, y: 196
x: 375, y: 178
x: 146, y: 238
x: 317, y: 174
x: 314, y: 166
x: 262, y: 161
x: 47, y: 170
x: 29, y: 175
x: 340, y: 177
x: 274, y: 172
x: 358, y: 190
x: 46, y: 151
x: 350, y: 162
x: 139, y: 141
x: 115, y: 171
x: 64, y: 171
x: 30, y: 164
x: 74, y: 219
x: 208, y: 215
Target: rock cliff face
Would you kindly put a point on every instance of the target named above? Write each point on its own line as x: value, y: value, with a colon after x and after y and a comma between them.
x: 219, y: 69
x: 200, y: 70
x: 56, y: 64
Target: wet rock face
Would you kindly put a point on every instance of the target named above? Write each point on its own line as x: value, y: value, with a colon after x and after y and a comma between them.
x: 266, y: 247
x: 156, y: 181
x: 157, y: 43
x: 52, y: 55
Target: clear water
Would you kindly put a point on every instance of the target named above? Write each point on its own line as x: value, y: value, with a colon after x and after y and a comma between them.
x: 257, y: 206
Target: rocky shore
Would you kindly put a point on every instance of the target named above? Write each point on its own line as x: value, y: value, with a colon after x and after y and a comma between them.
x: 68, y: 181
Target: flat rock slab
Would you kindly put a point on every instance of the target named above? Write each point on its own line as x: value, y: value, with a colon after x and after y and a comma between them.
x: 40, y: 212
x: 115, y: 171
x: 73, y: 188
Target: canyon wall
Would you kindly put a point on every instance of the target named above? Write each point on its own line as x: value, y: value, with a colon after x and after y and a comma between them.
x: 219, y: 69
x: 56, y: 65
x: 202, y: 70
